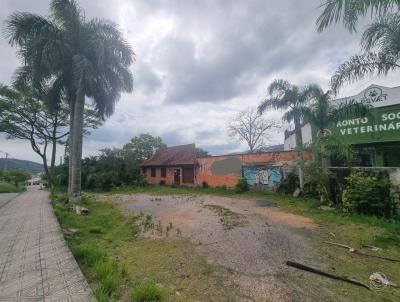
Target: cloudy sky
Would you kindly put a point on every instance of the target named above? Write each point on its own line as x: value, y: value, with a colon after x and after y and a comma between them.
x: 200, y: 62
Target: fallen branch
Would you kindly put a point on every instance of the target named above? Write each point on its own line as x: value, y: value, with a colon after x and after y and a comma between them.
x: 351, y: 249
x: 329, y: 275
x: 355, y: 251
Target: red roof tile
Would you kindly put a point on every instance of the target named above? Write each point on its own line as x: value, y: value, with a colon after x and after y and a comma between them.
x: 172, y: 156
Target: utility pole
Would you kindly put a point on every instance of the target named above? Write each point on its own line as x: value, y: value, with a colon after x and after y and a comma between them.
x: 6, y: 163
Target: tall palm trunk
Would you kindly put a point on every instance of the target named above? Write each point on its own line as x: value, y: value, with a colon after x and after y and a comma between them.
x: 71, y: 130
x: 76, y: 148
x: 299, y: 146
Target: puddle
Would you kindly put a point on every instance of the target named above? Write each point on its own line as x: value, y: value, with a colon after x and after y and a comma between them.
x: 265, y: 204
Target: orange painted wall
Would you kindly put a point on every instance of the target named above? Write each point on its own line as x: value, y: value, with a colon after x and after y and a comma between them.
x: 204, y: 174
x: 169, y: 179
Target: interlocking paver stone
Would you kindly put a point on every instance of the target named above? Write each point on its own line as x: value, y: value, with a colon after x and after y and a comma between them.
x: 35, y: 263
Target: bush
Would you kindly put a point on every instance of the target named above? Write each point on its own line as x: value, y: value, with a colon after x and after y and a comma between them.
x: 241, y: 185
x: 289, y: 184
x: 367, y: 194
x: 148, y: 293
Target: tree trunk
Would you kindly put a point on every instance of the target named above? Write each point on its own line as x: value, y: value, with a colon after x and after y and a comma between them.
x: 76, y: 148
x: 299, y: 146
x: 47, y: 172
x: 71, y: 129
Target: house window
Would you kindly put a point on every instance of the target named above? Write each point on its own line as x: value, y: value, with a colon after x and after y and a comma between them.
x: 144, y: 170
x: 153, y: 172
x: 163, y: 172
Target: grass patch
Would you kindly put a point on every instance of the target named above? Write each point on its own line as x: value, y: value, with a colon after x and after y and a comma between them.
x: 6, y: 187
x: 118, y: 263
x: 148, y: 292
x: 228, y: 218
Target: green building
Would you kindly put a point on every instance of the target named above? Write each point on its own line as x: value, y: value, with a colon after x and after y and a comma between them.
x: 376, y: 137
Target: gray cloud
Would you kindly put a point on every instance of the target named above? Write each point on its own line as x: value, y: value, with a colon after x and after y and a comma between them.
x: 199, y: 62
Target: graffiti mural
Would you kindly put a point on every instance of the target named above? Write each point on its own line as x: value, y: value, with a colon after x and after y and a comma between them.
x: 256, y: 176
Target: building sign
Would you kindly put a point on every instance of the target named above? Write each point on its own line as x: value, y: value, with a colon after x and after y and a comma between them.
x: 376, y: 96
x: 382, y: 124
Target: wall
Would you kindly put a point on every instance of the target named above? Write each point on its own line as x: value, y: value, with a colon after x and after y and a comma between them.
x: 169, y: 179
x: 271, y: 165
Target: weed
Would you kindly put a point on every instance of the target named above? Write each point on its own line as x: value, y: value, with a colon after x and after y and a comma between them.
x: 88, y: 254
x: 95, y: 230
x: 228, y: 218
x: 148, y: 292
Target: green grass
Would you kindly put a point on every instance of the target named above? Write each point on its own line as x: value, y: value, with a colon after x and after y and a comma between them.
x: 119, y: 264
x: 148, y: 292
x: 6, y: 187
x: 353, y: 230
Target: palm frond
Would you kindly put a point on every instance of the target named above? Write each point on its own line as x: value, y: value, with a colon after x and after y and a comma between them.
x: 383, y: 34
x: 349, y: 11
x: 358, y: 66
x: 66, y: 14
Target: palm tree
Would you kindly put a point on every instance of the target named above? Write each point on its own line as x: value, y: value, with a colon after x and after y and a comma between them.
x: 381, y: 45
x: 321, y: 114
x: 349, y: 11
x: 82, y: 58
x: 285, y: 96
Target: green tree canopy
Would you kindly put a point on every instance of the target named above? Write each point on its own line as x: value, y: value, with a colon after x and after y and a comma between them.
x: 83, y: 58
x: 144, y: 146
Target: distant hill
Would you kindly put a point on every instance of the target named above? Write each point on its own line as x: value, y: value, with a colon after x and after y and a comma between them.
x: 24, y: 165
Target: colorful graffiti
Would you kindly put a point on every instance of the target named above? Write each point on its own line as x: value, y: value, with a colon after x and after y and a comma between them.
x: 270, y: 176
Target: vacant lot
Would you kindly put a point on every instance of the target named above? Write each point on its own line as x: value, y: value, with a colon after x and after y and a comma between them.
x: 221, y: 246
x: 250, y: 238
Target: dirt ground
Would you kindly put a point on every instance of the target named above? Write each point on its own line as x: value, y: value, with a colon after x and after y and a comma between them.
x: 251, y: 239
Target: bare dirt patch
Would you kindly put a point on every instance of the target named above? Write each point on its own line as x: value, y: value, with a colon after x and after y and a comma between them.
x: 252, y: 240
x: 292, y: 220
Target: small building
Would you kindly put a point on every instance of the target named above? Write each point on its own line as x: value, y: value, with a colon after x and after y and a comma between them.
x: 178, y: 165
x: 172, y: 166
x: 375, y: 138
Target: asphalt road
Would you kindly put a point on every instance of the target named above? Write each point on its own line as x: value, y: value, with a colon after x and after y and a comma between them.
x: 6, y: 197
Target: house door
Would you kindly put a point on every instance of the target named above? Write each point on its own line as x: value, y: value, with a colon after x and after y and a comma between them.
x: 177, y: 177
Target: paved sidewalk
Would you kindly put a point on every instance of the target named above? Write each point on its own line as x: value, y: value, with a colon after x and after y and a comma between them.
x: 35, y: 263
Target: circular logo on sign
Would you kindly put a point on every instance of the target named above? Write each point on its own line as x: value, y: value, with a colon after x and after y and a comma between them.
x: 373, y: 94
x: 325, y: 132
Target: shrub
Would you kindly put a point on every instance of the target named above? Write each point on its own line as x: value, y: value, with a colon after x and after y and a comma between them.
x: 368, y: 194
x: 289, y: 184
x: 148, y: 292
x: 241, y: 185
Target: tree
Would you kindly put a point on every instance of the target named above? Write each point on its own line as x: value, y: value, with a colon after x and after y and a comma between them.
x: 249, y: 126
x: 321, y: 114
x: 144, y: 146
x: 285, y: 96
x: 25, y: 116
x: 201, y: 152
x: 16, y: 177
x: 381, y: 46
x: 349, y: 11
x: 83, y: 58
x: 380, y: 41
